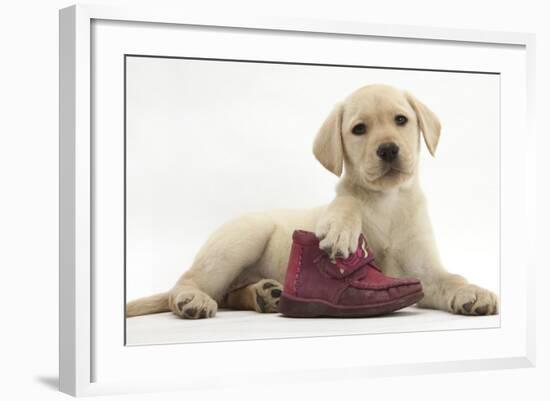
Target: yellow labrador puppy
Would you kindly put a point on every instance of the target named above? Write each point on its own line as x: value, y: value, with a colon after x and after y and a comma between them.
x: 371, y: 140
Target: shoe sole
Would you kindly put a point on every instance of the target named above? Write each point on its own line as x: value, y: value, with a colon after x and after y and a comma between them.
x: 301, y: 307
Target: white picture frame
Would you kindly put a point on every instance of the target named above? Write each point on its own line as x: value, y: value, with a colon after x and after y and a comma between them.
x: 91, y: 362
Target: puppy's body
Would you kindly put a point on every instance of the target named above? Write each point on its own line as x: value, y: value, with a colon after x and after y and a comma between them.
x: 389, y: 238
x: 374, y: 134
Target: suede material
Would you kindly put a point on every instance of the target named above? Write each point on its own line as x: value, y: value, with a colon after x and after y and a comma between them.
x: 313, y: 281
x: 374, y: 279
x: 352, y: 281
x: 293, y: 270
x: 303, y: 237
x: 355, y: 296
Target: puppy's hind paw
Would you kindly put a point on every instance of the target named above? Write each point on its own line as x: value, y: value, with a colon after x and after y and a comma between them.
x: 194, y: 304
x: 266, y: 295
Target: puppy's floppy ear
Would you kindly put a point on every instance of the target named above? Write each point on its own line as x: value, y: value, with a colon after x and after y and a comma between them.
x: 327, y: 147
x: 427, y: 121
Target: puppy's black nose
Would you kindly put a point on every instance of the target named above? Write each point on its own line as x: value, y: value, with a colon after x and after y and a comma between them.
x: 388, y: 151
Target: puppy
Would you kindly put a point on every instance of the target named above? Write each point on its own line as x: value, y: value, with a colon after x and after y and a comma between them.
x: 372, y: 140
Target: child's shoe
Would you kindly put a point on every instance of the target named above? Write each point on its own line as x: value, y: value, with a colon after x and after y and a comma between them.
x: 352, y: 287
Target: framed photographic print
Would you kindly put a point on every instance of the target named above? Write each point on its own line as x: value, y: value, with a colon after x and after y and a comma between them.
x: 325, y: 190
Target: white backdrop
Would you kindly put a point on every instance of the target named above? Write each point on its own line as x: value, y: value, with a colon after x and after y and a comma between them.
x: 210, y: 140
x: 29, y: 209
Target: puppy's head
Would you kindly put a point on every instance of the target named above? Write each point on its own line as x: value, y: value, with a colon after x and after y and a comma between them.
x: 375, y: 134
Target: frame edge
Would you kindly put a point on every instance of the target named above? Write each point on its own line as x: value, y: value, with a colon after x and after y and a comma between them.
x: 67, y: 113
x: 75, y: 351
x: 531, y: 187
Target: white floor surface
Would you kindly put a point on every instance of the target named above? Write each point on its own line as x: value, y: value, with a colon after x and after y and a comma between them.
x: 228, y: 325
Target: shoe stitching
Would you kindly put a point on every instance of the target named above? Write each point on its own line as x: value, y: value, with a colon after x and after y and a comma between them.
x: 298, y: 270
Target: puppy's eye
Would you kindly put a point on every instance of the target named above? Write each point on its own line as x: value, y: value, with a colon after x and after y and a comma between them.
x: 359, y: 129
x: 401, y: 119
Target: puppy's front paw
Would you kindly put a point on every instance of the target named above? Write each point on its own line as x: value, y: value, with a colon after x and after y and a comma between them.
x: 267, y: 293
x: 338, y: 237
x: 194, y: 304
x: 473, y: 300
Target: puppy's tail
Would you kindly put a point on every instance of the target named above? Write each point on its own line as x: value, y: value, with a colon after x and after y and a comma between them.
x: 144, y: 306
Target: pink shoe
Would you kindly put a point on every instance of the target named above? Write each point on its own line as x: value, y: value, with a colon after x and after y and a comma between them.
x: 352, y: 287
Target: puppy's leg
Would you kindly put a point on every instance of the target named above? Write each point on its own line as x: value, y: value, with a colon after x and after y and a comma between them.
x: 418, y: 257
x: 263, y: 297
x: 443, y: 290
x: 339, y: 226
x: 232, y: 248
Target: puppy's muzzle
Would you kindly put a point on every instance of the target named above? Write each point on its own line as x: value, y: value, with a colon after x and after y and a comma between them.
x: 388, y: 151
